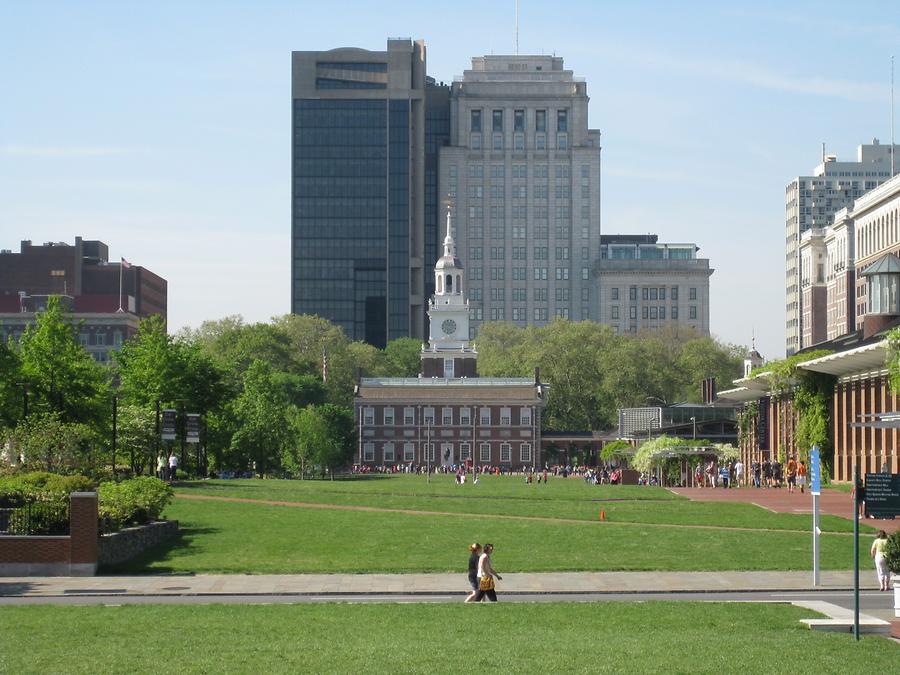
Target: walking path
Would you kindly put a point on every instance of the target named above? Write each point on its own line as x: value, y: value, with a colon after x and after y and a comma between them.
x: 831, y: 502
x: 305, y: 584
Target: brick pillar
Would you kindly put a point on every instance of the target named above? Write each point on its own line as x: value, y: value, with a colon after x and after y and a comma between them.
x: 83, y: 531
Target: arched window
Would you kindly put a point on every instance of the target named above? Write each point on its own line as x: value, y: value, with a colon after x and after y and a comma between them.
x: 449, y: 283
x: 439, y: 280
x: 458, y: 284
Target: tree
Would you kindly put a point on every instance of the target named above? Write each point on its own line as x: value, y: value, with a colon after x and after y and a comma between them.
x: 48, y: 443
x: 136, y: 435
x: 403, y: 357
x: 323, y: 438
x: 11, y: 402
x: 149, y: 366
x: 62, y: 377
x: 261, y: 416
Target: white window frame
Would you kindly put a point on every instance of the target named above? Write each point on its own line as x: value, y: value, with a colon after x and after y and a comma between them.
x: 369, y: 417
x: 388, y: 453
x: 484, y: 413
x: 368, y: 452
x: 525, y: 452
x: 505, y: 417
x: 409, y: 452
x: 447, y: 417
x: 505, y: 453
x: 465, y: 416
x: 388, y: 416
x: 465, y: 451
x: 484, y: 452
x: 428, y: 416
x: 428, y: 452
x: 525, y: 416
x: 409, y: 416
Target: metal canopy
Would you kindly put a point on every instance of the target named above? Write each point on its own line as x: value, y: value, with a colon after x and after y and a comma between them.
x: 865, y: 359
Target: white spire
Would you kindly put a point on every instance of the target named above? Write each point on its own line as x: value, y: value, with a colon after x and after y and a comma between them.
x: 449, y: 244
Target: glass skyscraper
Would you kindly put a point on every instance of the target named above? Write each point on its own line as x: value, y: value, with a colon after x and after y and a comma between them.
x: 358, y: 190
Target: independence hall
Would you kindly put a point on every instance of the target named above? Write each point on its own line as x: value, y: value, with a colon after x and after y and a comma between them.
x: 449, y: 416
x: 850, y: 271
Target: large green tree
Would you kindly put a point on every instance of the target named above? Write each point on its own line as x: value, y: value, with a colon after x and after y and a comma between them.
x: 61, y: 376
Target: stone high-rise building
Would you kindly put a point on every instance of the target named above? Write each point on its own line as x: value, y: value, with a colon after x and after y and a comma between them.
x: 523, y: 172
x: 811, y: 202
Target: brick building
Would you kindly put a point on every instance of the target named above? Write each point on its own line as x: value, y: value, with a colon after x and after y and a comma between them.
x: 450, y: 416
x: 106, y: 300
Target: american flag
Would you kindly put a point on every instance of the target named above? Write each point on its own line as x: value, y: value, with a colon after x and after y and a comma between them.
x: 125, y: 264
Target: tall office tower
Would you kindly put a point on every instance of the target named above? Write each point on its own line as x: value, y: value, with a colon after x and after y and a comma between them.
x: 358, y: 189
x: 645, y: 285
x: 811, y: 202
x: 523, y: 171
x: 813, y: 287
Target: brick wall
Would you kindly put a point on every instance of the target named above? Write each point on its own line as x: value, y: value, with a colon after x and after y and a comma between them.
x: 73, y: 555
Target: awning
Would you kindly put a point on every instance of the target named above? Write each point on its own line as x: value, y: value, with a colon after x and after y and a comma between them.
x: 865, y: 359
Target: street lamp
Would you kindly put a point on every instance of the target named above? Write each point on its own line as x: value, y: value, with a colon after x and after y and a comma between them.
x: 694, y: 421
x: 24, y: 386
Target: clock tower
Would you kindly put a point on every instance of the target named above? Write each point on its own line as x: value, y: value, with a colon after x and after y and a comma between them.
x: 448, y: 353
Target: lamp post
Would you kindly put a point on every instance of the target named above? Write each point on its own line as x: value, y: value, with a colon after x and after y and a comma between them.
x: 156, y: 458
x: 428, y: 451
x: 115, y: 414
x: 24, y: 386
x: 694, y: 421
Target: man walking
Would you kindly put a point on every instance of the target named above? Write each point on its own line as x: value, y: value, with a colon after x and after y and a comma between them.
x: 173, y: 466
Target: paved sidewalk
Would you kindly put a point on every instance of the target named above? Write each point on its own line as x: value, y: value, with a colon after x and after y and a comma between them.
x: 832, y: 502
x: 306, y: 584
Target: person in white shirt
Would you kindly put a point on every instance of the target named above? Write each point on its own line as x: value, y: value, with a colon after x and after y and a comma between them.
x: 173, y: 466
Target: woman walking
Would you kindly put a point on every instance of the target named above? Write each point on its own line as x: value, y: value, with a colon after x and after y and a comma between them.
x: 881, y: 566
x: 486, y: 576
x: 474, y: 555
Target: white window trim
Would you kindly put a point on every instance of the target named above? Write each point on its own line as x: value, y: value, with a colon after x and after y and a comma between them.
x: 484, y: 452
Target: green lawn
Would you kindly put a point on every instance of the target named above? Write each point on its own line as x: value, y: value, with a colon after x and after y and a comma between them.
x: 258, y: 538
x: 414, y: 638
x: 503, y: 495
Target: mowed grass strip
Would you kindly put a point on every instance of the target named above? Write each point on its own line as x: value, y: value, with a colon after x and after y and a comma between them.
x: 421, y: 638
x: 507, y: 495
x: 225, y: 537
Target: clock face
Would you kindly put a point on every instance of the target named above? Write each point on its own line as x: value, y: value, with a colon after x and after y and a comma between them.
x: 449, y: 327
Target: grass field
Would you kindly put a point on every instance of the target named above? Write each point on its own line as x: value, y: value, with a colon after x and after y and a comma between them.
x: 642, y: 533
x: 503, y: 495
x: 415, y: 638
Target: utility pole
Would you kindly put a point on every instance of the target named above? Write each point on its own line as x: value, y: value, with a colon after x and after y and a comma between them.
x: 115, y: 413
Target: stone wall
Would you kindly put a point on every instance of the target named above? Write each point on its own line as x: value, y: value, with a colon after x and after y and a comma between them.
x: 129, y: 543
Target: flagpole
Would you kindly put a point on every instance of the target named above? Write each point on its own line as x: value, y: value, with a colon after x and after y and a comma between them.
x: 120, y: 285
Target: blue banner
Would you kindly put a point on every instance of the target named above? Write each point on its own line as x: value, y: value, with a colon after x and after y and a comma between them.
x: 815, y: 471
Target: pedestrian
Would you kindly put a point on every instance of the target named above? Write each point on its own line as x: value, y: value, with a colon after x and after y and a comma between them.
x: 161, y: 469
x: 801, y: 475
x: 474, y: 555
x: 757, y: 472
x: 486, y: 576
x: 767, y: 473
x: 791, y: 474
x: 877, y: 551
x: 173, y: 466
x: 711, y: 473
x: 739, y: 472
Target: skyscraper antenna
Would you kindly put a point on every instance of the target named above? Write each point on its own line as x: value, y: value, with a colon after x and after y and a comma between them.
x: 892, y: 114
x: 517, y: 44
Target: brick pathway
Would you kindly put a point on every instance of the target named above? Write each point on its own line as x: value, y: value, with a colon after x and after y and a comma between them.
x: 831, y: 502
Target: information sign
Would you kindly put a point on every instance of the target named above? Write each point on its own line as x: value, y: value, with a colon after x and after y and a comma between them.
x: 168, y: 432
x: 882, y: 495
x: 192, y: 428
x: 815, y: 471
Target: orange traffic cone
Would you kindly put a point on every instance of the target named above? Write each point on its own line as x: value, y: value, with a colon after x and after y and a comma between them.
x: 602, y: 514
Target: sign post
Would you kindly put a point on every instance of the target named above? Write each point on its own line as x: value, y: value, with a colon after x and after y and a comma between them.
x: 856, y: 500
x: 169, y: 418
x: 815, y: 489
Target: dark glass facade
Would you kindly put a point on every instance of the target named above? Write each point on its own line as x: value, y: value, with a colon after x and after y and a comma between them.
x: 340, y: 191
x: 437, y: 134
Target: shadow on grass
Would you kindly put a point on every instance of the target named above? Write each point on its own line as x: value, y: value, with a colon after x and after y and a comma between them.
x: 149, y: 561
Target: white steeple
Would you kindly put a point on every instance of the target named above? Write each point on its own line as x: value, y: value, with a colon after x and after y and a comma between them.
x: 448, y: 311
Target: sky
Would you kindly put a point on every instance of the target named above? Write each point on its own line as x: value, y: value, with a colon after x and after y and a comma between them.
x: 163, y: 128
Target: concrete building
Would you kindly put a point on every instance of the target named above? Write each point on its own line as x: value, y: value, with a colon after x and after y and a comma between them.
x: 358, y: 188
x: 641, y: 284
x: 813, y: 287
x: 105, y: 300
x: 811, y: 202
x: 840, y: 276
x: 523, y: 170
x: 449, y: 416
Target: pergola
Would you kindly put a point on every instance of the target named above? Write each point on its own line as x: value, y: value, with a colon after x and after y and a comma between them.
x: 683, y: 452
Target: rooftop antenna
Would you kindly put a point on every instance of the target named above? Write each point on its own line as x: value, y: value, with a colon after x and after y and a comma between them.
x: 517, y: 51
x: 892, y: 114
x: 823, y: 152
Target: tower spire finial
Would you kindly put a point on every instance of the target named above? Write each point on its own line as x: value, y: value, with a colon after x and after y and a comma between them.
x: 449, y: 244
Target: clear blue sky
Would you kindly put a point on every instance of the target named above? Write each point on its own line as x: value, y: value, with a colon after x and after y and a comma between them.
x: 163, y: 128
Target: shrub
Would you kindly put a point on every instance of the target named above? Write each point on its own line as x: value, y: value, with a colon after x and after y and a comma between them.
x: 134, y: 501
x: 24, y: 488
x: 892, y: 552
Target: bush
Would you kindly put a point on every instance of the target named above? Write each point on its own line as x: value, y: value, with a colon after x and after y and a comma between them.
x: 25, y: 488
x: 134, y: 501
x: 892, y: 552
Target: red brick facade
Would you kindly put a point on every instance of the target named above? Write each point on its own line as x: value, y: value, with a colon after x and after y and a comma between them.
x: 73, y: 555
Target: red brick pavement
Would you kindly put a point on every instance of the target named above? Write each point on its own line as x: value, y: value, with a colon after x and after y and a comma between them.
x: 832, y: 502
